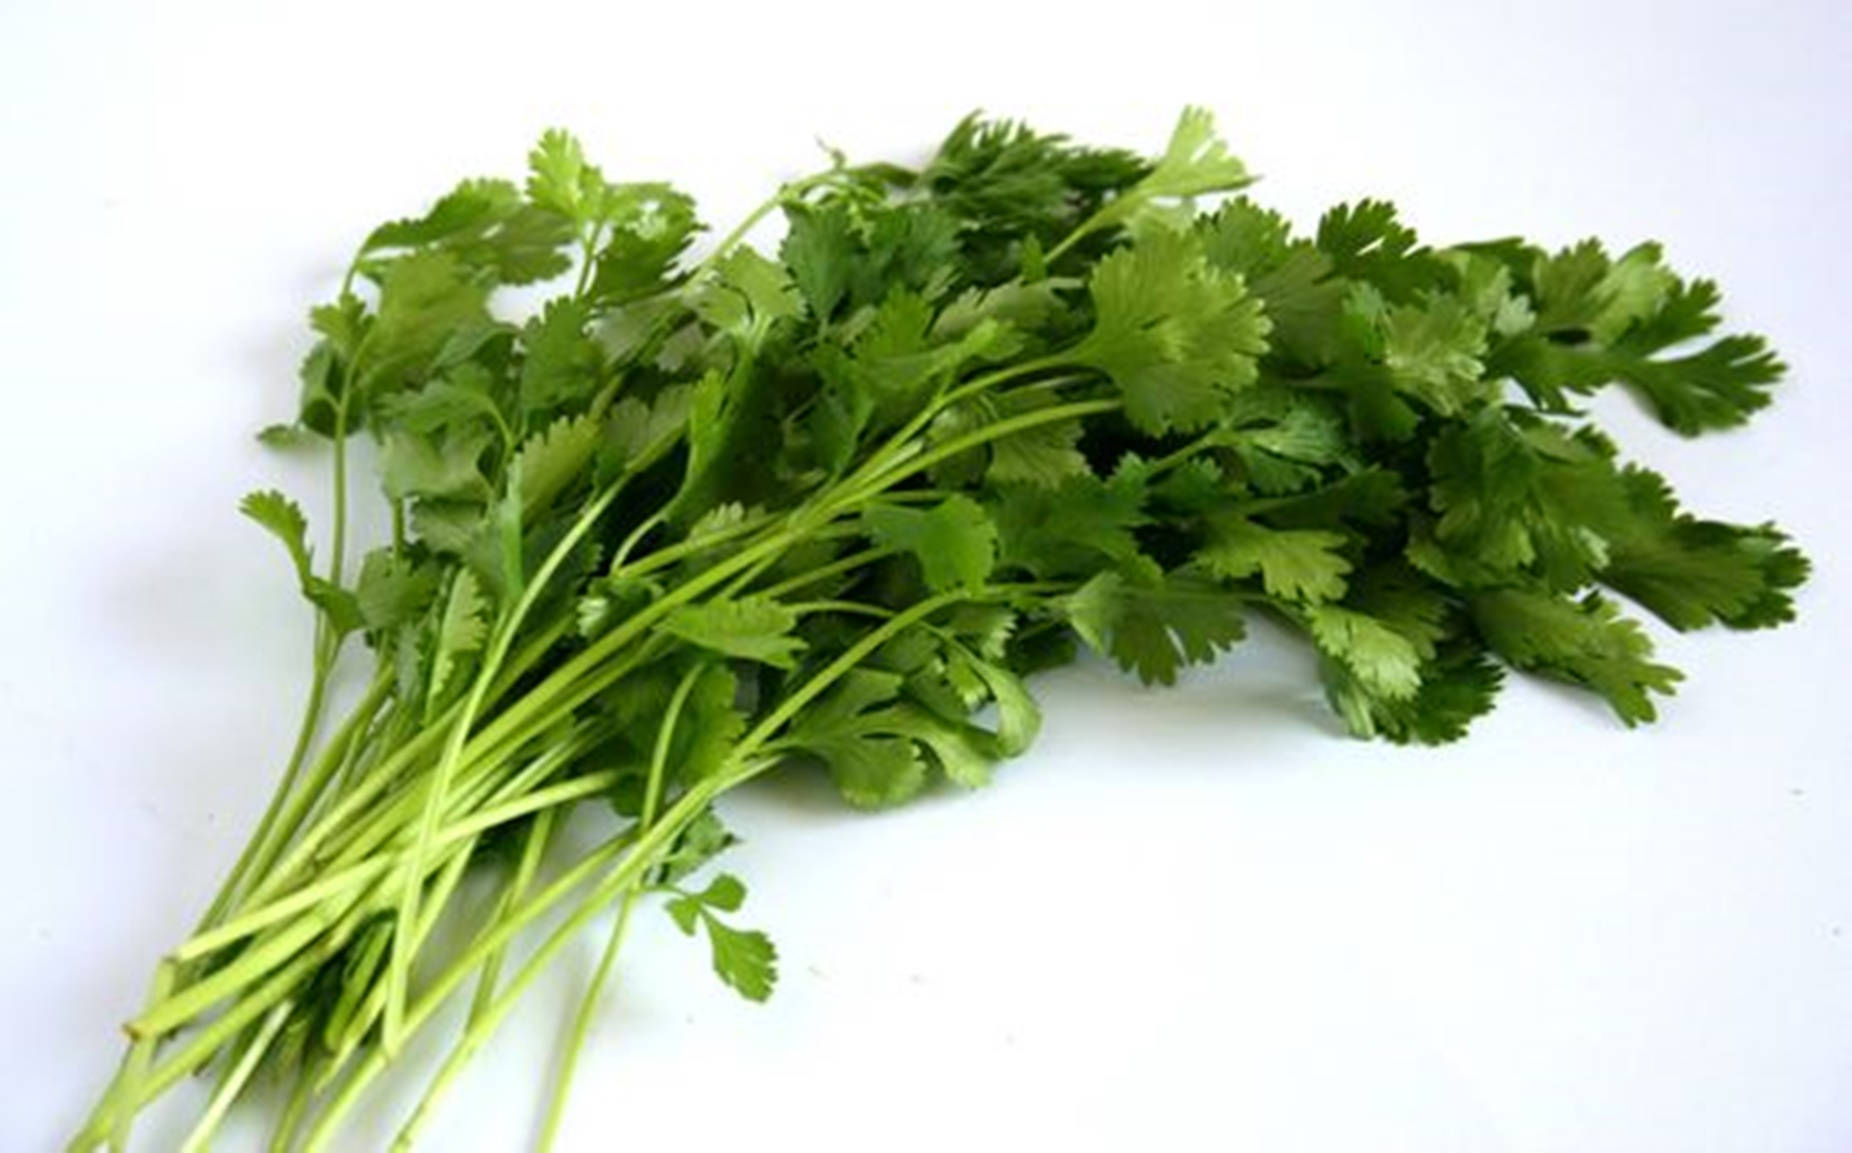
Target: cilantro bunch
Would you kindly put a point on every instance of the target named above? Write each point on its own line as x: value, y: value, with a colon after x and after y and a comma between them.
x: 691, y: 521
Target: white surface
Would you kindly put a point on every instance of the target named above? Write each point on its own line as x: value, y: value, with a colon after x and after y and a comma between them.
x: 1198, y: 918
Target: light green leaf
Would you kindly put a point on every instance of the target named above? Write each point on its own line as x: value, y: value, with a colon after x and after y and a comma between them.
x: 1382, y: 659
x: 1177, y: 336
x: 954, y: 541
x: 751, y: 628
x: 461, y: 632
x: 1295, y: 564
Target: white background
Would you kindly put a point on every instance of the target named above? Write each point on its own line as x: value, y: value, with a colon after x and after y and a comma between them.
x: 1199, y: 918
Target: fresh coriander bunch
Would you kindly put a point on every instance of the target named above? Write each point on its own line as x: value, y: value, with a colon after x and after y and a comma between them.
x: 692, y: 521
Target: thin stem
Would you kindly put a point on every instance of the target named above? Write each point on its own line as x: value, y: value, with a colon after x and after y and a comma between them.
x: 582, y: 1020
x: 493, y: 938
x: 1169, y: 461
x: 399, y: 965
x: 290, y: 1119
x: 250, y: 965
x: 635, y: 538
x: 587, y: 252
x: 533, y: 847
x: 257, y: 845
x: 824, y: 572
x: 127, y: 1082
x: 209, y: 1121
x: 913, y: 465
x: 330, y: 762
x: 853, y: 608
x: 241, y: 1012
x: 787, y: 193
x: 337, y: 884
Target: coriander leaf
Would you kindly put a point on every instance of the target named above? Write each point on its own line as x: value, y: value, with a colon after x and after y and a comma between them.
x: 1715, y: 387
x: 638, y: 433
x: 747, y: 296
x: 1432, y: 353
x: 1020, y: 308
x: 1691, y: 572
x: 426, y: 299
x: 954, y: 541
x: 1194, y: 163
x: 745, y: 960
x: 711, y: 725
x: 561, y: 181
x: 461, y: 632
x: 1070, y: 529
x: 1045, y: 454
x: 651, y: 226
x: 871, y: 765
x: 344, y: 324
x: 1012, y: 188
x: 1600, y: 324
x: 1373, y: 497
x: 753, y: 628
x: 283, y: 436
x: 562, y: 363
x: 725, y: 893
x: 470, y: 208
x: 820, y: 249
x: 553, y: 459
x: 1366, y: 243
x: 1295, y: 564
x: 1019, y: 718
x: 1153, y: 625
x: 895, y: 363
x: 911, y: 247
x: 1455, y: 689
x: 283, y: 519
x: 1586, y: 643
x: 1175, y: 335
x: 701, y: 840
x: 1384, y: 661
x: 1295, y: 282
x: 486, y: 227
x: 871, y: 741
x: 462, y: 396
x: 447, y: 467
x: 393, y: 590
x: 1242, y: 237
x: 1516, y: 495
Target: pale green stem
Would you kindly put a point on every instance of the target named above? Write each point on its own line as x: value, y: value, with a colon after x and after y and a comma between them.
x: 399, y: 963
x: 533, y: 847
x: 652, y: 794
x: 201, y: 1137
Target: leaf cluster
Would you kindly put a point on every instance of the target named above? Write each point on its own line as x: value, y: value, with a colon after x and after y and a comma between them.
x: 827, y: 508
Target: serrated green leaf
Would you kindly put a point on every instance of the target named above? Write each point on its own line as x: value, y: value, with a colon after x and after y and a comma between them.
x: 1295, y: 564
x: 554, y: 459
x: 1584, y: 642
x: 282, y: 518
x: 954, y: 541
x: 461, y: 632
x: 562, y: 362
x: 1384, y: 661
x: 1154, y: 625
x: 1176, y: 336
x: 392, y: 589
x: 746, y: 960
x: 651, y: 225
x: 751, y: 628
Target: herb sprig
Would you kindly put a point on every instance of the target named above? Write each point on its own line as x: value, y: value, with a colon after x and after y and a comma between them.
x: 693, y: 521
